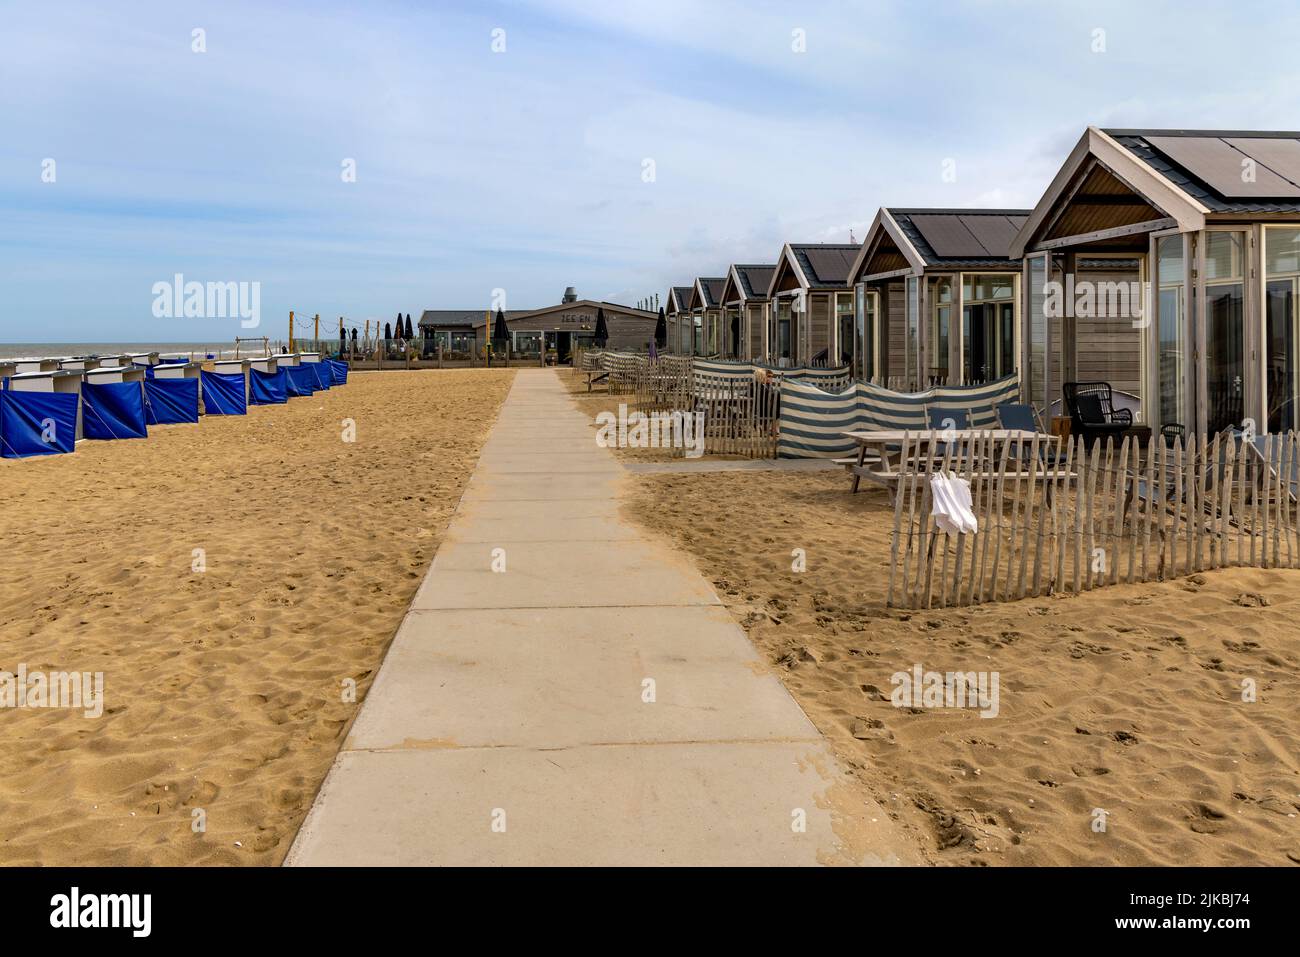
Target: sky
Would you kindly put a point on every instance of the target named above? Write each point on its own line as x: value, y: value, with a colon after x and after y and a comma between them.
x: 617, y: 147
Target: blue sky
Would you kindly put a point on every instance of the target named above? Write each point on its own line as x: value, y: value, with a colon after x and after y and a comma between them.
x: 523, y: 170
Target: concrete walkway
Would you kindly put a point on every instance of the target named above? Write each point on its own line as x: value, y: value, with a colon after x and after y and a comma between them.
x: 508, y: 724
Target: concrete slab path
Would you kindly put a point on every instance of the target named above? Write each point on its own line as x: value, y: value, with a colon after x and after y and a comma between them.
x: 566, y: 690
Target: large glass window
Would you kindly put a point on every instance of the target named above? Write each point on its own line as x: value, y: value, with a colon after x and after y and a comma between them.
x: 1282, y: 283
x: 1171, y: 329
x: 940, y: 324
x: 1225, y: 367
x: 527, y: 343
x: 910, y: 339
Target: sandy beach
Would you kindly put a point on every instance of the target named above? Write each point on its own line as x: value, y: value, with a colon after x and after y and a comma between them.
x: 232, y: 580
x: 1122, y: 705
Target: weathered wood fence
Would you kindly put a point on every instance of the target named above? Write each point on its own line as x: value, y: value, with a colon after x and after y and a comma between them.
x: 1058, y: 517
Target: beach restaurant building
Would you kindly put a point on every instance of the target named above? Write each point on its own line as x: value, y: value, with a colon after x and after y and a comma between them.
x: 810, y: 305
x: 677, y: 316
x: 744, y: 311
x: 918, y: 274
x: 1204, y: 227
x: 561, y: 328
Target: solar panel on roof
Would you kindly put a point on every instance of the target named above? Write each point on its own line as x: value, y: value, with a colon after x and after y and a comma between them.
x: 949, y: 237
x: 831, y: 265
x: 994, y: 233
x: 1222, y: 168
x: 1280, y: 154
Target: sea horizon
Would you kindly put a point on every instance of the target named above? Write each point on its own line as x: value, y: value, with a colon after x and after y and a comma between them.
x: 62, y: 349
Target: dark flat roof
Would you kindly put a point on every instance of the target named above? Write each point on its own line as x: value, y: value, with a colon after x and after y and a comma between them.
x: 826, y: 265
x: 961, y: 237
x: 1208, y: 166
x: 754, y: 279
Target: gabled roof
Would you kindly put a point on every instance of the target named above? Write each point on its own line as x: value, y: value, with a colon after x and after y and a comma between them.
x: 707, y: 292
x: 1116, y: 183
x: 814, y: 265
x: 915, y: 239
x: 611, y: 309
x: 679, y: 299
x: 746, y: 282
x: 467, y: 318
x: 477, y: 318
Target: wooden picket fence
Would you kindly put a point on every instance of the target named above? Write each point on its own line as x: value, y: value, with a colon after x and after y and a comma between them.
x: 1096, y: 517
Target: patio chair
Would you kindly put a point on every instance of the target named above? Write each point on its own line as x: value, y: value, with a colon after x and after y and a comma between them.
x: 1092, y: 412
x: 1022, y: 417
x: 1171, y: 431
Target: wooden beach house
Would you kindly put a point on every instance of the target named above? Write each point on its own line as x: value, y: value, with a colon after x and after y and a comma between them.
x: 935, y: 297
x: 706, y: 310
x: 810, y: 305
x: 677, y: 316
x: 744, y: 311
x: 1202, y: 229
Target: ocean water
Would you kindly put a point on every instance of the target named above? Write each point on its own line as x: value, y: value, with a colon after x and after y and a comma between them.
x: 36, y: 350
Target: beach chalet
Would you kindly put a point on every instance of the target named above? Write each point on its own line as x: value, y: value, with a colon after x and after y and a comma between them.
x: 706, y: 310
x: 677, y: 315
x: 50, y: 380
x: 79, y: 364
x: 1205, y: 228
x: 917, y: 271
x: 25, y: 366
x: 104, y: 374
x: 810, y: 305
x: 744, y: 311
x: 241, y: 367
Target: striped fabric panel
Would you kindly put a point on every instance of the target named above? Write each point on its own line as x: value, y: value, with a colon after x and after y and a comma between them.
x: 811, y: 421
x: 883, y: 409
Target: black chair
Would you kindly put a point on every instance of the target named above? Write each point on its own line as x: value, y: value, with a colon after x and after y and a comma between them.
x: 1170, y: 431
x: 1092, y: 412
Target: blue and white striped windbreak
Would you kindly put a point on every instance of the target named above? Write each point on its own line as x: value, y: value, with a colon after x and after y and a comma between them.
x: 812, y: 421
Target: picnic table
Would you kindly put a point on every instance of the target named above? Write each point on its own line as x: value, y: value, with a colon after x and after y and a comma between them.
x: 887, y: 448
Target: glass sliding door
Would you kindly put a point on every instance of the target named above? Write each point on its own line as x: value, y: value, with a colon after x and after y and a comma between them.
x: 940, y: 329
x: 1171, y: 331
x: 865, y: 338
x: 1282, y: 285
x: 988, y: 328
x: 844, y: 326
x: 784, y: 333
x: 1225, y: 340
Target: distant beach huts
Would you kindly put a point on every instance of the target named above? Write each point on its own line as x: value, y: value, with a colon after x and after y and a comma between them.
x: 1165, y: 263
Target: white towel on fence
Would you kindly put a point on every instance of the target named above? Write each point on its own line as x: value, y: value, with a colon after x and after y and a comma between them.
x: 952, y: 504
